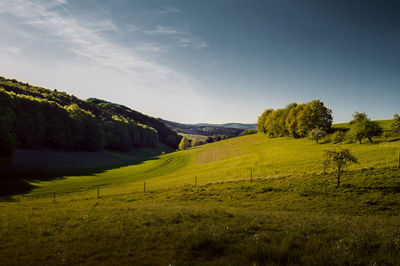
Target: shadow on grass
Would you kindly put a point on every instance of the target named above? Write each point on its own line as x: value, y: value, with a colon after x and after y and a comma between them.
x: 16, y: 181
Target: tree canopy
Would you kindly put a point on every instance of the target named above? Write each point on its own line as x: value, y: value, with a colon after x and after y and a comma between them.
x: 395, y: 125
x: 362, y: 127
x: 34, y: 117
x: 295, y: 120
x: 184, y: 144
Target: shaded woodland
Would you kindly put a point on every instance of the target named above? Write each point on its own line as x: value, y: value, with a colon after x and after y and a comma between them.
x: 33, y: 118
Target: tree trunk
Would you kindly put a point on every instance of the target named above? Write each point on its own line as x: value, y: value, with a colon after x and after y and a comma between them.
x: 359, y: 140
x: 370, y: 140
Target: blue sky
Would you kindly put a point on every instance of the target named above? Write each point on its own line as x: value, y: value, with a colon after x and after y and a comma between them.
x: 209, y: 61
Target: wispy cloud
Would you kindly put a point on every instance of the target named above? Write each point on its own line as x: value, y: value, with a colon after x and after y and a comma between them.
x: 179, y: 38
x: 70, y: 51
x: 14, y: 49
x: 165, y: 30
x: 169, y: 10
x: 86, y: 39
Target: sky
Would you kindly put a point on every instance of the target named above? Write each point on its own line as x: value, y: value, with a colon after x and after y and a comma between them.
x: 211, y: 61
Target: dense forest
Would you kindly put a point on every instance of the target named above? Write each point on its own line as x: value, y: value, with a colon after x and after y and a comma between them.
x: 33, y: 117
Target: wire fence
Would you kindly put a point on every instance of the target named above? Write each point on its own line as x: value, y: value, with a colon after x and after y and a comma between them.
x: 96, y: 191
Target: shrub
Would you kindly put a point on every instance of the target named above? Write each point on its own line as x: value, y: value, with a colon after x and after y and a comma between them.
x: 338, y: 137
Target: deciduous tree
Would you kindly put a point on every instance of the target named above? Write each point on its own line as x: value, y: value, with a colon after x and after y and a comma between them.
x: 339, y: 160
x: 315, y: 114
x: 184, y: 143
x: 395, y: 125
x: 362, y: 127
x: 317, y: 134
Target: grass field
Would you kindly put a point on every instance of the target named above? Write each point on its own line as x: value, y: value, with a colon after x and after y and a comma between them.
x: 289, y: 213
x: 385, y: 124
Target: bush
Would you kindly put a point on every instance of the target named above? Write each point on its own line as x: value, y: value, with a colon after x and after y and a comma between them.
x: 338, y: 137
x: 184, y: 144
x: 249, y: 132
x: 317, y: 134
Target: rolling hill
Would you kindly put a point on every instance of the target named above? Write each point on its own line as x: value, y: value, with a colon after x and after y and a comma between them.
x: 247, y: 200
x: 230, y: 129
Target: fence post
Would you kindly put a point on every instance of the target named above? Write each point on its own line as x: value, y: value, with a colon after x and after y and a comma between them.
x: 54, y: 197
x: 98, y: 192
x: 195, y: 181
x: 144, y: 187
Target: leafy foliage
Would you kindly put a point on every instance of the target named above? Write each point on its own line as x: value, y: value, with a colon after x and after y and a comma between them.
x: 261, y: 120
x: 395, y: 125
x: 317, y: 134
x: 39, y: 117
x: 249, y: 132
x: 184, y: 144
x: 7, y: 139
x: 295, y: 120
x: 339, y: 159
x: 362, y: 127
x: 314, y: 114
x: 339, y: 136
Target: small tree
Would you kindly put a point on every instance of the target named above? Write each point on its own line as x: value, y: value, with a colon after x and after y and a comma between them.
x: 372, y: 129
x: 317, y: 134
x: 338, y: 159
x: 363, y: 127
x: 184, y: 144
x: 338, y: 137
x: 395, y: 126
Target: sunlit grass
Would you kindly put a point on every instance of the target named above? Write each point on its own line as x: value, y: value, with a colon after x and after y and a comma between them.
x: 289, y: 213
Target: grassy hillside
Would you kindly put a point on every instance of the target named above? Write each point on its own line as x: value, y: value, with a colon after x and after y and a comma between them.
x: 289, y: 213
x: 385, y: 124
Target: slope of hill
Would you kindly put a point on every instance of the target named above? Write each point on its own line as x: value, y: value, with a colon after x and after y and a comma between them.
x: 248, y: 200
x: 39, y: 117
x: 231, y: 130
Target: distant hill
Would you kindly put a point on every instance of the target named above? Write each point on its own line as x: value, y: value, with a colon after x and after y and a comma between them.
x: 229, y: 125
x: 206, y: 129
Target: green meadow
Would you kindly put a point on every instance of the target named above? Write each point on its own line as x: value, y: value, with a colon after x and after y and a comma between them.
x: 250, y: 200
x: 385, y: 124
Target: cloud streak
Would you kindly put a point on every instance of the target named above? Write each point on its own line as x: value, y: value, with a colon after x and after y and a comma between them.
x: 179, y: 38
x: 141, y: 70
x: 86, y: 39
x: 169, y: 10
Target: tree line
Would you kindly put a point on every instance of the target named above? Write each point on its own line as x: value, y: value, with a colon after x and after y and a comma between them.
x: 102, y: 110
x: 314, y: 120
x: 34, y: 117
x: 295, y: 120
x: 31, y: 123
